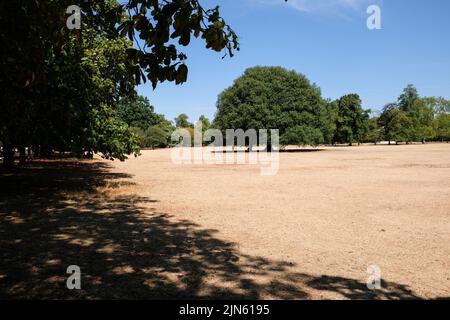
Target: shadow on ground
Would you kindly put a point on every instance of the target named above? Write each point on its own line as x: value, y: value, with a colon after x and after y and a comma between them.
x: 55, y: 214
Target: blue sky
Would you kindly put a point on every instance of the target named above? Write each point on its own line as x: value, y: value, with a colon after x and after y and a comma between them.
x: 328, y: 41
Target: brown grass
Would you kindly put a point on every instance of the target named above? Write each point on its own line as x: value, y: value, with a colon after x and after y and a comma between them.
x: 148, y: 228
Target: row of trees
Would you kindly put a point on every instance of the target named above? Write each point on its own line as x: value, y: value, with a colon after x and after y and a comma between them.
x: 412, y: 118
x: 273, y: 97
x: 153, y: 130
x: 61, y: 88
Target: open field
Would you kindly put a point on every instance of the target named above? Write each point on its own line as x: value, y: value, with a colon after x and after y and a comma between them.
x: 148, y: 228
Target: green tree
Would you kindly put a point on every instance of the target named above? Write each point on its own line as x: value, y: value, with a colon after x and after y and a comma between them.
x: 375, y: 133
x: 439, y: 105
x: 275, y: 98
x: 420, y: 112
x: 58, y: 82
x: 155, y: 137
x: 182, y: 121
x: 408, y: 98
x: 137, y: 111
x: 442, y: 127
x: 352, y: 123
x: 302, y: 136
x: 395, y: 123
x: 206, y: 124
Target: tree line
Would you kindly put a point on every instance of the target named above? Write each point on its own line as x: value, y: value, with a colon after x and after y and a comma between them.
x: 275, y: 98
x: 74, y: 90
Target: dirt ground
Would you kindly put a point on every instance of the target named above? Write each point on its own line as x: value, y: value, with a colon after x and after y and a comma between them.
x: 148, y: 228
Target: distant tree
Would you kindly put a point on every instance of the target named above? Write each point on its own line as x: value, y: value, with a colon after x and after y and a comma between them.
x: 395, y: 123
x: 275, y: 98
x: 375, y: 133
x: 182, y: 121
x: 420, y: 113
x: 137, y: 111
x: 206, y: 124
x: 352, y: 124
x: 408, y: 98
x: 155, y: 137
x: 439, y: 105
x: 442, y: 127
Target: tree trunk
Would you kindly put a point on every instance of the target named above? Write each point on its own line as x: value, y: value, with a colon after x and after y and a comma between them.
x: 23, y: 156
x: 8, y: 156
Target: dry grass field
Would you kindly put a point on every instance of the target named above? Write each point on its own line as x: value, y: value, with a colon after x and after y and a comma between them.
x: 148, y: 228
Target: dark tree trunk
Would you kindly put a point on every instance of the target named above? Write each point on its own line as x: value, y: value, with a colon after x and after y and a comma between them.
x: 23, y: 156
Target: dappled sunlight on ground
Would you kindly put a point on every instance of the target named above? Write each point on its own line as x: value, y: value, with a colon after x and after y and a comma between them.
x: 56, y: 214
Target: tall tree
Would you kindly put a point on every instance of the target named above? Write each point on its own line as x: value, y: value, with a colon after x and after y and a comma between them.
x: 419, y: 112
x: 408, y: 97
x: 275, y: 98
x: 395, y: 123
x: 352, y: 124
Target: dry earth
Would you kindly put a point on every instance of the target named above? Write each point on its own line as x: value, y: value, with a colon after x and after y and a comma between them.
x: 149, y: 228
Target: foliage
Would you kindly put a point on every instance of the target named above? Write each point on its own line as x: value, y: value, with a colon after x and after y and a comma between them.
x: 302, y: 136
x: 396, y: 124
x: 375, y: 133
x: 442, y: 127
x: 274, y: 98
x: 162, y: 24
x: 412, y: 117
x: 182, y: 121
x: 137, y: 111
x: 61, y: 87
x: 206, y: 124
x: 352, y: 123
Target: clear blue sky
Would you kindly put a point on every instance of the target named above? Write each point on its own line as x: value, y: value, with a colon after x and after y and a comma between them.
x: 328, y: 41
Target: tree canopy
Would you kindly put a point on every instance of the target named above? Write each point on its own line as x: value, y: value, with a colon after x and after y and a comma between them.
x: 352, y: 124
x: 412, y: 118
x: 61, y: 87
x: 275, y: 98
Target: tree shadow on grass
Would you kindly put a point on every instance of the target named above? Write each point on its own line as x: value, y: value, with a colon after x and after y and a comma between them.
x: 55, y: 214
